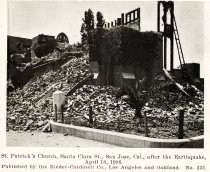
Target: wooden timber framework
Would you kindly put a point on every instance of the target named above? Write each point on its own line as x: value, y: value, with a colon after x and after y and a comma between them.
x: 132, y: 19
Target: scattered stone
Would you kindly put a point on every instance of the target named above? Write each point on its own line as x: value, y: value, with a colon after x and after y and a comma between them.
x: 12, y: 119
x: 47, y: 128
x: 28, y: 125
x: 153, y: 130
x: 40, y: 123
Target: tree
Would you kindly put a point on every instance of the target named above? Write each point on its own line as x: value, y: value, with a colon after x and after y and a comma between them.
x: 87, y: 26
x: 83, y: 34
x: 100, y: 19
x: 89, y: 20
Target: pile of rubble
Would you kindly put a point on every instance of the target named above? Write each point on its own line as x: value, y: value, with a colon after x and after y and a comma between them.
x: 112, y: 113
x: 109, y: 112
x: 30, y: 107
x: 163, y: 110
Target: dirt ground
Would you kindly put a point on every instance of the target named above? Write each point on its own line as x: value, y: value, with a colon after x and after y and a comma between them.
x: 40, y: 139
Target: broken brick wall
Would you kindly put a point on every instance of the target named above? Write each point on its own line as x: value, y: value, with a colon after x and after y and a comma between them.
x: 123, y: 49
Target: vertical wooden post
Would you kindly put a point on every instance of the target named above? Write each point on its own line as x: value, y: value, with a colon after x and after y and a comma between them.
x: 122, y: 18
x: 145, y: 124
x: 181, y: 124
x: 165, y: 37
x: 62, y: 118
x: 90, y: 115
x: 126, y: 19
x: 172, y: 36
x: 56, y: 117
x: 138, y: 13
x: 119, y: 21
x: 139, y: 18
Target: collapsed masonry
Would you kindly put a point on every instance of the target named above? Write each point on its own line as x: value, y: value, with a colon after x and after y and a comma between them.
x: 123, y: 56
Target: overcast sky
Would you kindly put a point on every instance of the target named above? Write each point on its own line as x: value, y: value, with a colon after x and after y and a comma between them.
x: 28, y: 19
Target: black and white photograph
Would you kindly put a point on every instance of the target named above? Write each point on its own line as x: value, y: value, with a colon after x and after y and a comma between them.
x: 105, y: 74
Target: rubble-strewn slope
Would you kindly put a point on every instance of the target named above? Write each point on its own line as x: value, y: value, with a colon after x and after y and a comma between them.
x: 109, y: 112
x: 164, y: 107
x: 30, y: 107
x: 112, y: 113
